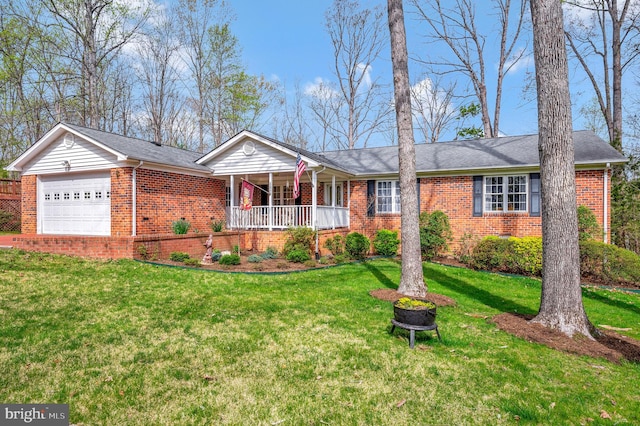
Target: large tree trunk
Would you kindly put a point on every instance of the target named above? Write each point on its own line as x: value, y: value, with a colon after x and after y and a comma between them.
x: 561, y: 304
x: 412, y: 279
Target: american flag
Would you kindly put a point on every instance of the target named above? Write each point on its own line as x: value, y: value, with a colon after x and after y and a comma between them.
x: 300, y: 168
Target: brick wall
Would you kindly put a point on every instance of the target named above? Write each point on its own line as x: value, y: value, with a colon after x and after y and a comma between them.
x: 163, y: 198
x: 94, y: 247
x: 453, y: 195
x: 121, y: 202
x: 161, y: 246
x: 29, y: 204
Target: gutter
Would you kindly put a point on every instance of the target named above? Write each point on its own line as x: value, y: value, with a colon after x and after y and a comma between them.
x: 605, y: 197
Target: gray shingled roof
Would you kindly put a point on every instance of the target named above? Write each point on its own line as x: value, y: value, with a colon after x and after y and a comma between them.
x: 493, y: 153
x: 496, y: 153
x: 138, y: 149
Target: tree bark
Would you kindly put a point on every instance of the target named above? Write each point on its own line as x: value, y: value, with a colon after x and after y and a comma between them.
x: 561, y: 305
x: 412, y: 278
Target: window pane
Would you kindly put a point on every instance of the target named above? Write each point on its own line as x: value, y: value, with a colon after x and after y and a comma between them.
x: 517, y: 193
x: 493, y: 190
x: 385, y: 199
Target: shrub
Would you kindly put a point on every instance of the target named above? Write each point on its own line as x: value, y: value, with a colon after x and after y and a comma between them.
x: 179, y: 256
x: 588, y: 228
x: 230, y: 259
x: 608, y: 264
x: 335, y: 245
x: 215, y: 255
x: 527, y: 255
x: 356, y: 245
x: 255, y: 258
x: 236, y: 249
x: 386, y: 242
x: 298, y: 256
x: 143, y: 252
x: 310, y: 263
x: 435, y: 233
x: 493, y: 254
x: 324, y: 260
x: 468, y: 242
x: 192, y: 262
x: 270, y: 253
x: 180, y: 226
x: 341, y: 258
x: 299, y: 239
x: 217, y: 225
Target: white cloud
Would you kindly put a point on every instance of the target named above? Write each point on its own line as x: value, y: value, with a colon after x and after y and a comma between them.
x: 320, y: 89
x: 429, y: 100
x: 520, y: 60
x: 365, y: 70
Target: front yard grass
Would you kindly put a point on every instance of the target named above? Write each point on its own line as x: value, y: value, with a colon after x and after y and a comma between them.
x: 131, y: 343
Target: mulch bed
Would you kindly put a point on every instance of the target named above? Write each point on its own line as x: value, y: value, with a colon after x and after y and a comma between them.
x: 390, y: 295
x: 608, y: 344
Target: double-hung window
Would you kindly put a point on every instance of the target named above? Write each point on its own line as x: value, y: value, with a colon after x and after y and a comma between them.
x: 505, y: 193
x: 388, y: 196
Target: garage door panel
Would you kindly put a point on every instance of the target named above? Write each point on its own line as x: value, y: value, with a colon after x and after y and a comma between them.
x: 77, y: 205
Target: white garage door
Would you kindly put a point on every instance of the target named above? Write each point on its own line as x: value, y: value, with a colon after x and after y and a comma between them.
x: 76, y: 204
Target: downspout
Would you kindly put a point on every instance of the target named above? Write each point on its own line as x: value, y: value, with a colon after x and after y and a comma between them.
x: 605, y: 220
x: 314, y: 207
x: 133, y: 200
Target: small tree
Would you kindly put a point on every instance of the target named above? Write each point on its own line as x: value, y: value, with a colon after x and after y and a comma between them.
x: 435, y: 233
x: 588, y: 228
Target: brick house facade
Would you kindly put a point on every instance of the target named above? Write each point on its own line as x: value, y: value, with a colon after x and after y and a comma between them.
x: 485, y: 187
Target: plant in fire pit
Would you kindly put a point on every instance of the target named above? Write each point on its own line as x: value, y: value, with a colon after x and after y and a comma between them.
x: 414, y: 311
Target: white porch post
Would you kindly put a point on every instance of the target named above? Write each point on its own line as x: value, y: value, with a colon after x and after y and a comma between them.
x: 349, y: 203
x: 333, y: 201
x: 314, y: 199
x: 232, y: 201
x: 270, y: 212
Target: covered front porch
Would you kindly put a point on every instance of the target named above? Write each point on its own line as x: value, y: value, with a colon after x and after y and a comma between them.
x: 271, y: 166
x: 283, y: 217
x: 323, y: 203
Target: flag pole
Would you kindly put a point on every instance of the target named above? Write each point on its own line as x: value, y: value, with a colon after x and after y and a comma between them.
x: 255, y: 186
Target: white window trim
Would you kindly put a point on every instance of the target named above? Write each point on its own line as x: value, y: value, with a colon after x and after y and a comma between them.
x: 395, y: 193
x: 505, y: 193
x: 327, y: 195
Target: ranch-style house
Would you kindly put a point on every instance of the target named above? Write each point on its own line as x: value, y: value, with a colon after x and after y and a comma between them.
x: 98, y: 194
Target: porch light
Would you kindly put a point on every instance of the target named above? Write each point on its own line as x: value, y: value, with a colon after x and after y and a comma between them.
x: 66, y: 165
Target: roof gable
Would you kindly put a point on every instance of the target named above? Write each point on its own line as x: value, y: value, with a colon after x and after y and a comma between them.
x: 118, y: 147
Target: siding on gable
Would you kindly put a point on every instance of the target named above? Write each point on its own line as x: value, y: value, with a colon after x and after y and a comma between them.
x: 264, y: 160
x: 82, y: 156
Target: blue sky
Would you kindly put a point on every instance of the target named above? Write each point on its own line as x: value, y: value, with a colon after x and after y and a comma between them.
x: 287, y: 40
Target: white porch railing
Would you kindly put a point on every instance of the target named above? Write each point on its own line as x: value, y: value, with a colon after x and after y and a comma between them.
x: 283, y: 217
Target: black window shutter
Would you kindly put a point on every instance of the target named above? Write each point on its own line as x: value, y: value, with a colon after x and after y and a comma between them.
x: 371, y: 198
x: 534, y: 194
x: 418, y: 193
x: 477, y: 196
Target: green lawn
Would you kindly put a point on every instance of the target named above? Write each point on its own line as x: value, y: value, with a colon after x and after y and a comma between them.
x: 132, y: 343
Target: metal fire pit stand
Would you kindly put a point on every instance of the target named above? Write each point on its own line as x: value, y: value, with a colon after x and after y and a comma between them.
x: 412, y: 330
